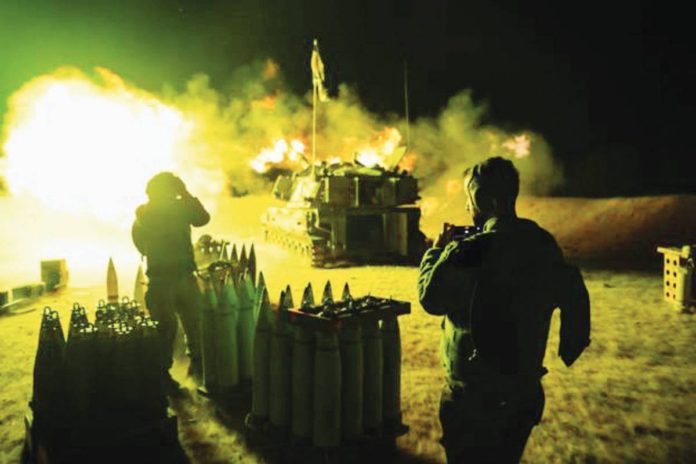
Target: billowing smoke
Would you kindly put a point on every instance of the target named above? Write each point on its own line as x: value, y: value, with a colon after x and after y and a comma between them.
x: 78, y: 150
x: 257, y: 112
x: 212, y: 136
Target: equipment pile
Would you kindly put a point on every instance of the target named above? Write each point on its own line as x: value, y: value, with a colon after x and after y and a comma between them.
x: 228, y: 317
x: 100, y: 389
x: 327, y: 375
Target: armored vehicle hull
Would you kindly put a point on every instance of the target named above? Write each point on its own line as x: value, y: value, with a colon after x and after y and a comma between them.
x: 347, y: 214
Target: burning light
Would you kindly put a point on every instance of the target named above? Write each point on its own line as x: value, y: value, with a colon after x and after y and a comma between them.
x: 408, y: 162
x: 281, y: 154
x: 291, y: 155
x: 519, y: 145
x: 369, y: 158
x: 86, y: 147
x: 454, y: 187
x: 334, y: 160
x: 377, y: 151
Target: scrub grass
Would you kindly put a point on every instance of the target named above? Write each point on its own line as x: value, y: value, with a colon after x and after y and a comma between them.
x: 631, y: 397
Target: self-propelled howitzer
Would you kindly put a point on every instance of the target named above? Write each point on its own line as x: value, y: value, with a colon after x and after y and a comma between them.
x: 347, y: 213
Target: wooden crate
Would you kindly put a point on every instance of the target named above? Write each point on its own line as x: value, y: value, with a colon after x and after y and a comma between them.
x: 679, y: 276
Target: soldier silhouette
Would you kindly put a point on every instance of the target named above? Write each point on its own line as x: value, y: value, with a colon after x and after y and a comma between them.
x: 497, y: 290
x: 162, y: 233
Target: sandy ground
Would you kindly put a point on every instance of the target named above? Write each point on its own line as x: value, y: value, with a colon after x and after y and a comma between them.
x: 630, y: 398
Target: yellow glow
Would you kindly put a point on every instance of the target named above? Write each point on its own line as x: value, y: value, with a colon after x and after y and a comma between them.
x: 297, y: 146
x: 429, y: 206
x: 282, y: 154
x: 378, y: 150
x: 454, y: 186
x: 281, y: 146
x: 369, y: 158
x: 519, y: 145
x: 83, y: 146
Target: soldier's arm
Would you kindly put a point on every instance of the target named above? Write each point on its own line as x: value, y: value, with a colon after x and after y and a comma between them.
x: 197, y: 214
x: 574, y: 303
x: 138, y: 236
x: 442, y: 281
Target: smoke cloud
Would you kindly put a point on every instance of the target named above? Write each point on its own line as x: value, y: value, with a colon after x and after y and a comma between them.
x: 208, y: 136
x: 227, y: 129
x: 232, y: 127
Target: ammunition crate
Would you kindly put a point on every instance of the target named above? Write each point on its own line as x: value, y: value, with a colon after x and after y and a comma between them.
x: 34, y: 290
x: 379, y: 309
x: 54, y: 274
x: 679, y: 276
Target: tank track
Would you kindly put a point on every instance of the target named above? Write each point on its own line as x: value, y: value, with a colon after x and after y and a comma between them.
x: 315, y: 251
x: 318, y: 254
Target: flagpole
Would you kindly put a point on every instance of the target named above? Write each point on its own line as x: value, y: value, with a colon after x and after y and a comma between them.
x: 314, y: 124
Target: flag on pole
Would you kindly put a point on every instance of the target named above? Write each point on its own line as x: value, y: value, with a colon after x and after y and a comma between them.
x: 318, y: 73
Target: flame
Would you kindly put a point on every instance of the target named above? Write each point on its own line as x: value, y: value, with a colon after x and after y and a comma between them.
x: 270, y: 69
x: 377, y: 151
x: 454, y: 186
x: 429, y: 206
x: 290, y: 155
x: 281, y: 153
x: 519, y: 145
x: 267, y: 103
x: 88, y: 146
x: 369, y: 158
x: 408, y: 162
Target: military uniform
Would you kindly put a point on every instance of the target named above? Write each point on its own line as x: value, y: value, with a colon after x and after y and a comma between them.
x: 162, y: 233
x: 497, y: 290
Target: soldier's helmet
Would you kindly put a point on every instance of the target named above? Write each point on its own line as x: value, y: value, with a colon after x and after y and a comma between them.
x: 495, y: 178
x: 164, y: 185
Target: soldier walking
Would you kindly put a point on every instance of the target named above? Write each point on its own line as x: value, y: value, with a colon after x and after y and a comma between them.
x: 497, y: 290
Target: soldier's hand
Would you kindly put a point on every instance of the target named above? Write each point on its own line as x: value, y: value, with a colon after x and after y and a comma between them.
x: 442, y: 240
x: 181, y: 190
x: 446, y: 236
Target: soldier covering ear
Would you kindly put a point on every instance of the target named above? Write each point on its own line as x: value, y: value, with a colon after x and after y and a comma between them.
x: 162, y: 233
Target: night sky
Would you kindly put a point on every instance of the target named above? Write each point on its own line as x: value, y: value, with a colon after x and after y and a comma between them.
x: 609, y: 84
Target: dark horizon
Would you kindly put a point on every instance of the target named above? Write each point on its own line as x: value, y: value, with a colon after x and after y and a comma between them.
x: 605, y: 84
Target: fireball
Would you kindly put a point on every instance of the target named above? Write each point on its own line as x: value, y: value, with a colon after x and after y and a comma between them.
x: 281, y: 154
x: 88, y: 146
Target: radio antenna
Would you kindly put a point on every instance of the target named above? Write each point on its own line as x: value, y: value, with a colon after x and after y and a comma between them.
x: 408, y: 122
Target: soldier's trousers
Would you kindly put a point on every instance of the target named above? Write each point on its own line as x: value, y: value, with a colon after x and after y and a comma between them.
x: 168, y: 297
x: 478, y: 427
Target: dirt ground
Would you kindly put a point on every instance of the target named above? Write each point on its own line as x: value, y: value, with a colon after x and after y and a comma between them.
x: 630, y: 398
